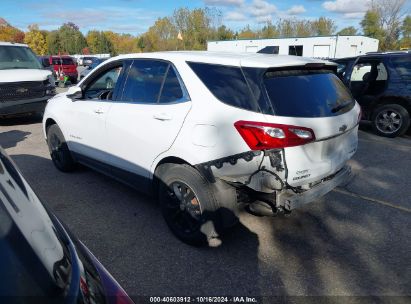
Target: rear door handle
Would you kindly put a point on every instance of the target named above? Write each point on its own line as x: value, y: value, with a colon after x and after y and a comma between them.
x: 162, y: 116
x: 98, y: 111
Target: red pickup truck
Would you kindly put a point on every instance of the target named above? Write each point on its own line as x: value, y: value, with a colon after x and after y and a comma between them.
x: 59, y: 64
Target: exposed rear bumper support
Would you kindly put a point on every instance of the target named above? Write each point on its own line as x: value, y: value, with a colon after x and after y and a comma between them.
x: 290, y: 200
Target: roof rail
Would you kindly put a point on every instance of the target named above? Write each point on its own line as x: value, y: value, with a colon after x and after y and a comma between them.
x: 389, y: 52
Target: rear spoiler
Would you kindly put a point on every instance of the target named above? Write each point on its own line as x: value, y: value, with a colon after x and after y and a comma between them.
x: 310, y: 67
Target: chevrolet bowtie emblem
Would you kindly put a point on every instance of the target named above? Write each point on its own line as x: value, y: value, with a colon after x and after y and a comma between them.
x: 21, y: 90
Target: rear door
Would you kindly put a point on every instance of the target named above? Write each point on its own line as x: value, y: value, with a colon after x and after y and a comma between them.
x: 146, y: 119
x: 315, y: 99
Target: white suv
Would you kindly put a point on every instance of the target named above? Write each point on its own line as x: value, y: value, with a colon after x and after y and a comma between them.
x: 210, y: 133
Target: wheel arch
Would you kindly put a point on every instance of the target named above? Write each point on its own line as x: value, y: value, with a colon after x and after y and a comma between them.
x: 166, y: 160
x: 402, y: 101
x: 49, y: 122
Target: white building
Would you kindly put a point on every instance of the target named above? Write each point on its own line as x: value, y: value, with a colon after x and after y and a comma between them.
x: 317, y: 47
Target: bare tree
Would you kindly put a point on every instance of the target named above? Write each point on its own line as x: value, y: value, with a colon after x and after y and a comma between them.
x: 391, y: 14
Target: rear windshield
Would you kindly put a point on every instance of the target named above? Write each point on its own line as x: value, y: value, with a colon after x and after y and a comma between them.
x: 305, y: 93
x: 293, y: 92
x: 63, y: 61
x: 403, y: 66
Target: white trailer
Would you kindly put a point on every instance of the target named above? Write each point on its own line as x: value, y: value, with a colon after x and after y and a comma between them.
x: 316, y: 47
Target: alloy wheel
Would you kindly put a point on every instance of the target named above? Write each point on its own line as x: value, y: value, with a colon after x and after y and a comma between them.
x: 183, y: 208
x: 388, y: 121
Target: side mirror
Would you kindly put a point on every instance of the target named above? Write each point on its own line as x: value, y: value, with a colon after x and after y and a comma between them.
x: 74, y: 93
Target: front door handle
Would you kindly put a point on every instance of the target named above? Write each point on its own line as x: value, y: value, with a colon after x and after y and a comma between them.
x: 162, y: 116
x: 98, y: 111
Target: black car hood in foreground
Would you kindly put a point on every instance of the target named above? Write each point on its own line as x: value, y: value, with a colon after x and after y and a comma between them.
x: 39, y: 261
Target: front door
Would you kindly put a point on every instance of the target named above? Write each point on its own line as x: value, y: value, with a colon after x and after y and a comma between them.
x: 87, y: 116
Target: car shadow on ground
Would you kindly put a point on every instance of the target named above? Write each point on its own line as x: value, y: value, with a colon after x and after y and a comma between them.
x: 10, y: 139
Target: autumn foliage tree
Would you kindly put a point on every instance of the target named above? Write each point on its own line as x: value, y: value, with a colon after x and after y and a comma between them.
x: 9, y: 33
x: 190, y: 29
x: 36, y: 40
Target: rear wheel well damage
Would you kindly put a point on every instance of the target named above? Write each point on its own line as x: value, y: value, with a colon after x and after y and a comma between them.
x: 253, y: 175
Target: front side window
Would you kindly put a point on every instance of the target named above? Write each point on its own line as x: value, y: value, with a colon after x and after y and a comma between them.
x: 17, y: 57
x: 102, y: 87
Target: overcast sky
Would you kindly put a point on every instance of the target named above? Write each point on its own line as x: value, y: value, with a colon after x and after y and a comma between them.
x: 135, y: 16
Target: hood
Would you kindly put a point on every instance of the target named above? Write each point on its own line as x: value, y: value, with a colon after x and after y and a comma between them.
x: 17, y: 75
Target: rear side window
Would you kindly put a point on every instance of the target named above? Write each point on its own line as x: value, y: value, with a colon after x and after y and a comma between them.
x: 307, y: 93
x: 63, y: 61
x: 144, y: 81
x: 403, y: 66
x: 171, y: 91
x: 226, y: 83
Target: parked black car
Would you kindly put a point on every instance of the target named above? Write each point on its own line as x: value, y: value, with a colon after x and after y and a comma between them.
x: 381, y: 83
x: 40, y: 260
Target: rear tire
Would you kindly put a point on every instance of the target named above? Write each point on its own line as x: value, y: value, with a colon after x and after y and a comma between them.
x: 59, y: 151
x: 390, y: 120
x: 188, y: 205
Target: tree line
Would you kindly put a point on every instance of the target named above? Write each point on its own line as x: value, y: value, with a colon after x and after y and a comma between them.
x: 190, y: 29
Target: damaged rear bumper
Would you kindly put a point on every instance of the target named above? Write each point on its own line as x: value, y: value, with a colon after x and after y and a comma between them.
x: 290, y: 200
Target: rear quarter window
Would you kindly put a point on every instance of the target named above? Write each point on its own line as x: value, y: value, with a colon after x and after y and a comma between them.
x: 226, y: 83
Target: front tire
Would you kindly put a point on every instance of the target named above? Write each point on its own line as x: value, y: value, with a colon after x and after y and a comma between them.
x: 59, y: 151
x: 390, y: 120
x: 188, y: 205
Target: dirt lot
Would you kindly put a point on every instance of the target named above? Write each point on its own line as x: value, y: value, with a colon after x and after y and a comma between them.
x: 355, y: 241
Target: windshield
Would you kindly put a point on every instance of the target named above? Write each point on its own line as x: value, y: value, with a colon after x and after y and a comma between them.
x: 18, y: 57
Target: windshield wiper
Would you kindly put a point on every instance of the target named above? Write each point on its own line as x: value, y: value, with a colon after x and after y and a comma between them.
x: 340, y: 107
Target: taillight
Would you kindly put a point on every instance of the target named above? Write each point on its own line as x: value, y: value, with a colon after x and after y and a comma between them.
x: 262, y: 136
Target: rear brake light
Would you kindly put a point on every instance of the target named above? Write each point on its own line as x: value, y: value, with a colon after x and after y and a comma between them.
x: 262, y: 136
